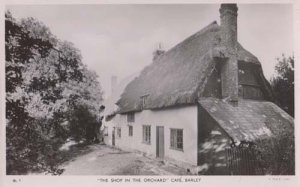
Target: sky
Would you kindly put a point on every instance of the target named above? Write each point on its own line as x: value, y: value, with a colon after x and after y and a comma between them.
x: 119, y: 39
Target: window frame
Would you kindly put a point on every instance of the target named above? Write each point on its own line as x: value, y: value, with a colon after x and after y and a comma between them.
x: 119, y: 132
x: 251, y: 92
x: 176, y: 135
x: 130, y: 117
x: 130, y: 130
x: 146, y: 138
x: 143, y: 101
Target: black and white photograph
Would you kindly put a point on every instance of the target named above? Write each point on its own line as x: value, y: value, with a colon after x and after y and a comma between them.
x: 149, y: 89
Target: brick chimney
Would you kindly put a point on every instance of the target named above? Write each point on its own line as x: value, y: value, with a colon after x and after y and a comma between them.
x: 114, y: 82
x: 229, y: 70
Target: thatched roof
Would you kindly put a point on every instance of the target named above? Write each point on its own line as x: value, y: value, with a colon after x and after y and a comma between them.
x: 110, y: 102
x: 180, y: 74
x: 249, y: 121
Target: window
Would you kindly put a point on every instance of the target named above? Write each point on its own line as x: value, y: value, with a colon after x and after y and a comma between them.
x: 143, y: 100
x: 249, y: 87
x: 119, y: 132
x: 130, y: 117
x: 247, y: 75
x: 176, y: 139
x: 251, y: 92
x: 147, y: 134
x: 130, y: 130
x: 105, y: 131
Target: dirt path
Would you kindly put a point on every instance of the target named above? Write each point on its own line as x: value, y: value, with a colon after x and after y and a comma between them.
x: 104, y: 160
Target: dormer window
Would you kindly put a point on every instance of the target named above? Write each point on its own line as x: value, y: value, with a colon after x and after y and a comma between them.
x: 249, y: 86
x: 130, y: 117
x: 144, y: 101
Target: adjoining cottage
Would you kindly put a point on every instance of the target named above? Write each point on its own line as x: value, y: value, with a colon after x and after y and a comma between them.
x: 199, y: 99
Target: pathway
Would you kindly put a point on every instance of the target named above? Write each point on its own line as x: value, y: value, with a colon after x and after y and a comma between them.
x: 104, y: 160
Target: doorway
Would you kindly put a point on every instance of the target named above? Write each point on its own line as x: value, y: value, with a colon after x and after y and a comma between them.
x: 113, y: 137
x: 160, y: 143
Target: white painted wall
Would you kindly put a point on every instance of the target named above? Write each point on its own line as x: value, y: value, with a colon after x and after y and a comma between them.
x: 109, y: 125
x: 181, y: 117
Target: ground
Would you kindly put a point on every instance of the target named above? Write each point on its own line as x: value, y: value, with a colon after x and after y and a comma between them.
x: 99, y: 159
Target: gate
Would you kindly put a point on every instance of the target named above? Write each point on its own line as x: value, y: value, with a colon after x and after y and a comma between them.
x: 242, y: 161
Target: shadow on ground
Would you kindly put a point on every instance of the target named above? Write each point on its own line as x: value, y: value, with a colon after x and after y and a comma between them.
x: 104, y: 160
x: 74, y: 152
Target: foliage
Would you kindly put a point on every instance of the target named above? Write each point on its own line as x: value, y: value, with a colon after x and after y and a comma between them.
x: 45, y: 80
x: 277, y: 154
x: 83, y: 123
x: 283, y: 84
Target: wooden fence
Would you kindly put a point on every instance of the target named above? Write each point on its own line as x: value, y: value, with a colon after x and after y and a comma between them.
x: 242, y: 161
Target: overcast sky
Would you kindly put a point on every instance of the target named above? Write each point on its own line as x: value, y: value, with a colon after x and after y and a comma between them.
x: 119, y: 39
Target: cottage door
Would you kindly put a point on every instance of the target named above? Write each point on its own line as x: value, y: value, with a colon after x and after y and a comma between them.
x: 113, y: 137
x: 160, y: 144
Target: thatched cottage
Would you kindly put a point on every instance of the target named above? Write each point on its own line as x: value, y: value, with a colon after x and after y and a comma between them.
x: 198, y: 100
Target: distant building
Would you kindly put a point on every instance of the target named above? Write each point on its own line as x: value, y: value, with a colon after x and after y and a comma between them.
x: 197, y: 100
x: 111, y: 108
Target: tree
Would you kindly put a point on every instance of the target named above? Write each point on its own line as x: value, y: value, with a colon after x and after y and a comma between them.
x: 20, y: 133
x: 45, y: 79
x: 283, y: 84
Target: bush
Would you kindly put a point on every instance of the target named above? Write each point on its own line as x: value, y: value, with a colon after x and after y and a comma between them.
x: 277, y: 155
x: 34, y: 149
x: 82, y: 124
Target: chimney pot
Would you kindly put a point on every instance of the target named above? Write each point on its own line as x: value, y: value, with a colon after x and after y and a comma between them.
x: 158, y: 52
x: 229, y: 71
x: 228, y: 15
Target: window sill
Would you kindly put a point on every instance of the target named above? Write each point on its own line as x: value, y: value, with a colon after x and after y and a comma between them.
x: 247, y: 84
x: 147, y: 143
x: 176, y: 149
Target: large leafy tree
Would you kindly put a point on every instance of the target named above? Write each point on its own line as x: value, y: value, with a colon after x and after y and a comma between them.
x: 45, y: 79
x: 19, y: 50
x: 283, y: 83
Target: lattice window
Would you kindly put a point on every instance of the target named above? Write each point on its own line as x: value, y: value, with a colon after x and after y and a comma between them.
x: 176, y: 139
x: 130, y: 117
x: 144, y: 101
x: 147, y: 134
x: 119, y: 132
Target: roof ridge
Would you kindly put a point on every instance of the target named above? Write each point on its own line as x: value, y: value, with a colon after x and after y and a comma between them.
x: 200, y: 32
x: 179, y: 76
